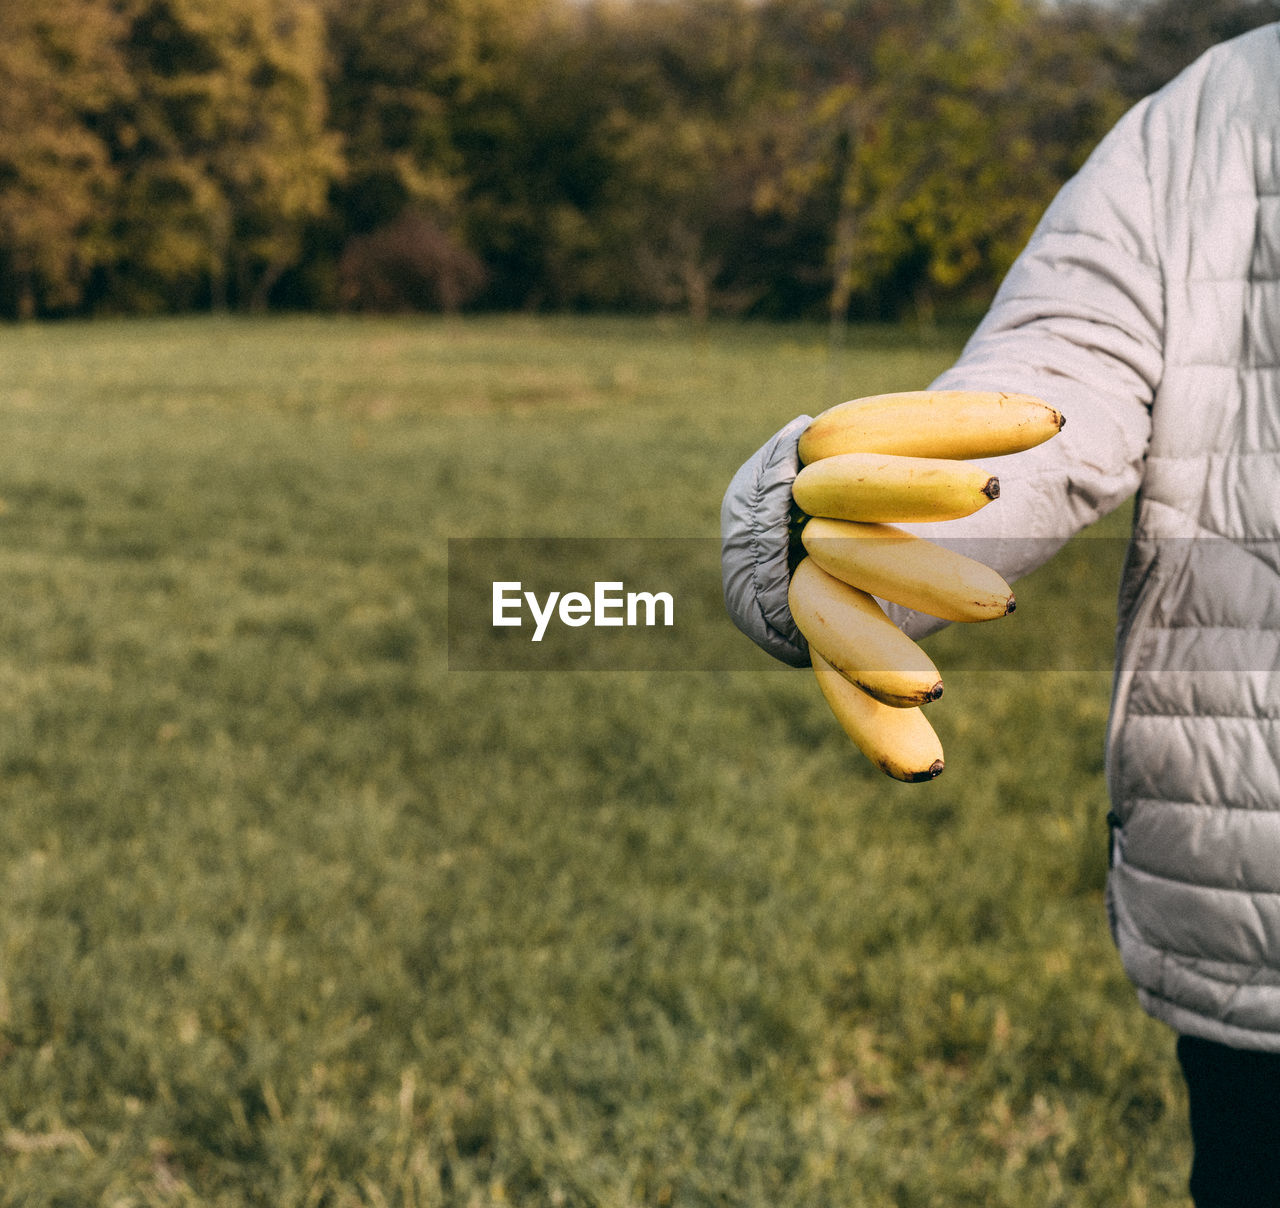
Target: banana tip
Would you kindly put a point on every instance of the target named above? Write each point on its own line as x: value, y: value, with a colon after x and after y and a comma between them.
x: 934, y: 692
x: 1008, y: 608
x: 992, y: 488
x: 932, y: 772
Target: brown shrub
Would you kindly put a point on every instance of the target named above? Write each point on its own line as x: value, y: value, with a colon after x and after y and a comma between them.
x: 411, y: 264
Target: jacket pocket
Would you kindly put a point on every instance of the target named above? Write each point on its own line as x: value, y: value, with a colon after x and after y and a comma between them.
x: 1130, y: 631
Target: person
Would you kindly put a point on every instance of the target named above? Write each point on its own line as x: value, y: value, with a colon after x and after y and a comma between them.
x: 1146, y: 308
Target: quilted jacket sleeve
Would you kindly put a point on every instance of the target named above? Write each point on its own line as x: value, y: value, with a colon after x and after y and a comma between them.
x: 1078, y: 321
x: 754, y: 546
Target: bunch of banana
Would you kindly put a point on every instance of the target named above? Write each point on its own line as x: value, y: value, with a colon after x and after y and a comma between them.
x: 869, y: 463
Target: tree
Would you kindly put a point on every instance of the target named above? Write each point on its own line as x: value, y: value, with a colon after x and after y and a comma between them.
x: 58, y: 73
x: 223, y: 148
x: 395, y: 66
x: 777, y: 157
x: 679, y: 94
x: 926, y: 136
x: 838, y: 109
x: 1171, y: 33
x: 433, y: 99
x: 1000, y: 106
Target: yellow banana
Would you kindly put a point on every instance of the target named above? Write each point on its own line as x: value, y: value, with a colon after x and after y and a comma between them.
x: 849, y: 629
x: 900, y: 742
x: 956, y: 424
x: 908, y: 570
x: 887, y: 487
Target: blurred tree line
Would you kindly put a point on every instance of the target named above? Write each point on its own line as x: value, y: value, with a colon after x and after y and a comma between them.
x: 778, y: 158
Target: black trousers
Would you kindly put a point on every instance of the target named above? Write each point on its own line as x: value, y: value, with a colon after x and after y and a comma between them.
x: 1235, y: 1124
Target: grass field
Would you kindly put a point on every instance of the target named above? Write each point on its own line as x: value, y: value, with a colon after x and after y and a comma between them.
x: 295, y: 915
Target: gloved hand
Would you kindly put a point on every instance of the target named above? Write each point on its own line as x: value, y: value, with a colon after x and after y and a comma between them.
x: 754, y: 530
x: 871, y: 464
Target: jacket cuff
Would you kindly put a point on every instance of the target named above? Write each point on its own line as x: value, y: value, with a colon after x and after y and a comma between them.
x: 755, y: 535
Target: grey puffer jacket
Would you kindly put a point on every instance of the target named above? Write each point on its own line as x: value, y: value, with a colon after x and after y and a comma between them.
x: 1147, y: 308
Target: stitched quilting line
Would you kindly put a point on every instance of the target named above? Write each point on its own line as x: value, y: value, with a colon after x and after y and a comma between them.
x: 1235, y: 280
x: 1198, y: 715
x: 1193, y: 964
x: 1230, y: 367
x: 1179, y: 803
x: 1183, y: 883
x: 1219, y: 454
x: 1093, y: 238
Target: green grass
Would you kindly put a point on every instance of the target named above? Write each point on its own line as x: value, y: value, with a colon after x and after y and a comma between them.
x: 294, y: 915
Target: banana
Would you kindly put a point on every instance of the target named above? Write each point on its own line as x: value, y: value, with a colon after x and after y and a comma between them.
x: 849, y: 629
x: 900, y: 742
x: 908, y: 570
x: 888, y: 487
x: 954, y: 424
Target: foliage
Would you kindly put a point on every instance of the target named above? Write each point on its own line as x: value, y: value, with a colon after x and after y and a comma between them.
x: 1173, y: 32
x: 426, y: 93
x: 222, y: 148
x: 59, y: 70
x: 776, y: 158
x: 295, y: 915
x: 408, y: 264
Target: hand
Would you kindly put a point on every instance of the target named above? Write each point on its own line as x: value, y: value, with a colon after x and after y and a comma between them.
x: 868, y: 463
